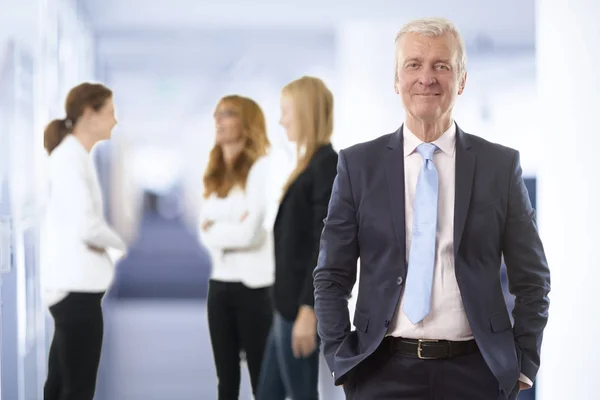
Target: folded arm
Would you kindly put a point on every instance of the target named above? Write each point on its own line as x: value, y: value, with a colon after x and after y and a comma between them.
x: 72, y: 192
x: 335, y: 274
x: 247, y: 231
x: 528, y: 275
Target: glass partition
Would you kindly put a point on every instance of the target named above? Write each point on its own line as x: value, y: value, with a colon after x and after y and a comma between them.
x: 22, y: 315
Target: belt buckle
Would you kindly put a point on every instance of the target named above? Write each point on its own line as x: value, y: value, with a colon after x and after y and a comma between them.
x: 420, y: 348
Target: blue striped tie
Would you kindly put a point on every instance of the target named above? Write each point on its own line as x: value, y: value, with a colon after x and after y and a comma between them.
x: 417, y: 293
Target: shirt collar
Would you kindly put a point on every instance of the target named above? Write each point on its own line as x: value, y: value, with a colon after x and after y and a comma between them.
x: 446, y: 143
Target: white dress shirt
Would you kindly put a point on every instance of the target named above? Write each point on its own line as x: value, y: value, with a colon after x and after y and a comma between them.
x: 241, y: 250
x: 447, y: 319
x: 74, y: 219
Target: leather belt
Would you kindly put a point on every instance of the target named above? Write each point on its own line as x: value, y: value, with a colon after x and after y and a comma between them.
x: 427, y: 349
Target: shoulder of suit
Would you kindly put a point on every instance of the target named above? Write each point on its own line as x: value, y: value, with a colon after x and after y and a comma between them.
x: 366, y: 148
x: 482, y: 144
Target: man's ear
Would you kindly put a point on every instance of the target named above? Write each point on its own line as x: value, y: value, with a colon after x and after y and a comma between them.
x: 461, y: 85
x: 396, y: 83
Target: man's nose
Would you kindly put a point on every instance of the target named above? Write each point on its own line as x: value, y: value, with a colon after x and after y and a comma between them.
x: 427, y: 78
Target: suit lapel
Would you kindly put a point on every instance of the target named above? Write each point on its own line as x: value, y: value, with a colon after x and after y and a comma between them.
x: 394, y: 169
x: 465, y: 169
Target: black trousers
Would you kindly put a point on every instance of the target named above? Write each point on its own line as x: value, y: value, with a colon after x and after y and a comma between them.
x: 76, y: 346
x: 388, y: 374
x: 239, y: 319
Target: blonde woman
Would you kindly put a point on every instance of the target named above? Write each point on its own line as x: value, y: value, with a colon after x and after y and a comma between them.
x: 231, y: 227
x: 291, y: 364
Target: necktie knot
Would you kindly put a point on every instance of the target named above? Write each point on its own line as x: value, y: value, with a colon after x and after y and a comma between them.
x: 426, y: 150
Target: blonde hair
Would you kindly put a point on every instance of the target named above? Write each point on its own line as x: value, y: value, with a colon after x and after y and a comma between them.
x: 313, y: 109
x: 434, y: 27
x: 218, y: 178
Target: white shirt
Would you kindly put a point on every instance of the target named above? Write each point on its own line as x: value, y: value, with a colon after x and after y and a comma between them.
x: 241, y: 250
x: 447, y: 319
x: 74, y: 218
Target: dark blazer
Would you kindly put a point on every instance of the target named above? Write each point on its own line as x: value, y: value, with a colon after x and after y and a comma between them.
x: 493, y: 217
x: 297, y: 232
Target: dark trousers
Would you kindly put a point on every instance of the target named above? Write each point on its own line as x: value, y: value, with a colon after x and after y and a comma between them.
x: 76, y: 346
x: 239, y: 319
x: 387, y: 374
x: 282, y: 373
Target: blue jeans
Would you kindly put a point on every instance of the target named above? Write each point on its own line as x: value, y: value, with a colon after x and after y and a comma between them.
x: 283, y: 374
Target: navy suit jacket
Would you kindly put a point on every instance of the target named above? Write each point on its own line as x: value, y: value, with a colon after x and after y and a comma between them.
x: 493, y: 217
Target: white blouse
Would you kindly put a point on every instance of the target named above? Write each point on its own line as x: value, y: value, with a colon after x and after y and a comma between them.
x: 241, y: 250
x: 74, y: 219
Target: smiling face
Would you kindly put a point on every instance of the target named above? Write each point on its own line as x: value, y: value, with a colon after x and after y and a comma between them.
x: 428, y: 79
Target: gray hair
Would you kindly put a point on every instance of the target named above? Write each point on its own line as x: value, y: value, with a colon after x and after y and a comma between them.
x: 434, y: 27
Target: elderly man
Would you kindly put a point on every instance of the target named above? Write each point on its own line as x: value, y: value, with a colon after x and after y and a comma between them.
x: 430, y: 210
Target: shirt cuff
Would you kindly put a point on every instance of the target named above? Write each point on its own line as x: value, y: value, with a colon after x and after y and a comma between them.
x: 526, y: 380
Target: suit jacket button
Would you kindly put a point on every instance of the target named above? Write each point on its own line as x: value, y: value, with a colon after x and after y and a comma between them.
x: 399, y: 281
x: 387, y: 323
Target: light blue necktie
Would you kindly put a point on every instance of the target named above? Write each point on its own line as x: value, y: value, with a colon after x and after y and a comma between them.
x: 417, y: 292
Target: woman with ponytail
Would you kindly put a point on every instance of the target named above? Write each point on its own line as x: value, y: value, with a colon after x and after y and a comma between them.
x: 76, y: 269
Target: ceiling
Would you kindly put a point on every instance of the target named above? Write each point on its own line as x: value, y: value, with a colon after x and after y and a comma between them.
x: 506, y: 21
x: 158, y: 34
x: 166, y: 58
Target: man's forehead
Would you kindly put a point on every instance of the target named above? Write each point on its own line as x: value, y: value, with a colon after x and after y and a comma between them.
x: 415, y: 45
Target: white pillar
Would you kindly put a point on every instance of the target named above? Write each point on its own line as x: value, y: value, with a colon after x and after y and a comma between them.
x: 568, y: 55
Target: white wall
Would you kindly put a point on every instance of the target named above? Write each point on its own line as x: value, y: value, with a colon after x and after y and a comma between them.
x: 569, y: 194
x: 17, y: 22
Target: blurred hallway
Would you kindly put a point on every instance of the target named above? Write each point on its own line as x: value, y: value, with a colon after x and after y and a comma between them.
x: 165, y: 261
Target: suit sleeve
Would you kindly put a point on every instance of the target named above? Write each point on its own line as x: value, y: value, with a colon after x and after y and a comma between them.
x: 528, y: 273
x: 335, y: 274
x: 324, y: 175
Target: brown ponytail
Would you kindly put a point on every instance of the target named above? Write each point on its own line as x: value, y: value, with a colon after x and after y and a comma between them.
x: 54, y: 133
x: 86, y: 95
